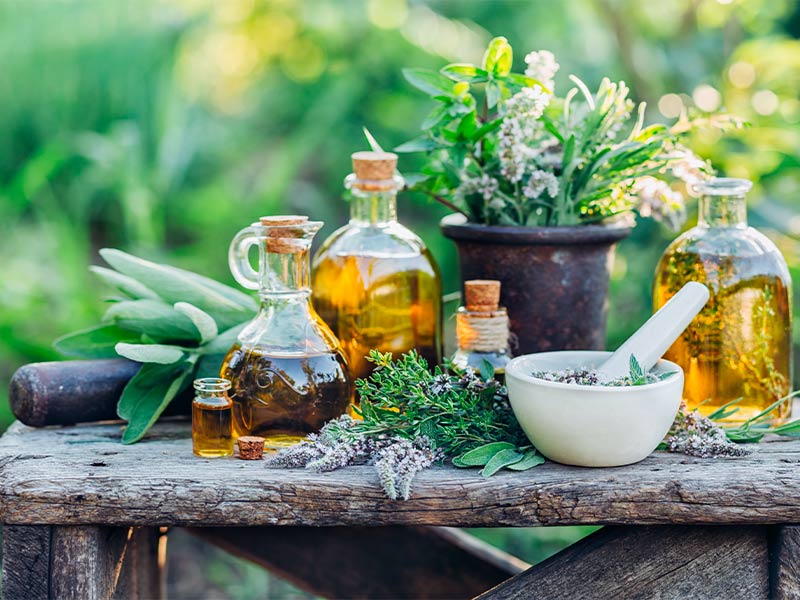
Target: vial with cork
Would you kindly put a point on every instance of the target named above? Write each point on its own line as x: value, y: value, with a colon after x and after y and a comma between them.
x: 482, y: 329
x: 212, y: 430
x: 375, y: 282
x: 288, y: 374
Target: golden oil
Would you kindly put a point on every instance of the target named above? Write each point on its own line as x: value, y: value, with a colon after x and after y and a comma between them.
x: 212, y: 422
x: 284, y: 398
x: 740, y: 345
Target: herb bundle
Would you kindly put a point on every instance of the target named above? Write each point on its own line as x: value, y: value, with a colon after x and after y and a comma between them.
x: 177, y: 323
x: 412, y: 418
x: 517, y: 154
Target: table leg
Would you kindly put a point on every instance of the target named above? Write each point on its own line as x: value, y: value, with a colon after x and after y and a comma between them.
x: 785, y: 562
x: 644, y: 562
x: 66, y: 562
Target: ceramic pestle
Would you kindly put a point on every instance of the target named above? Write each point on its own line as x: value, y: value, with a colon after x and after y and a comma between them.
x: 658, y: 333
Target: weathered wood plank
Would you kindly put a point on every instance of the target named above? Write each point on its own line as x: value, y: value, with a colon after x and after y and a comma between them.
x: 785, y: 563
x: 371, y: 562
x: 104, y: 562
x: 83, y: 475
x: 26, y: 562
x: 650, y: 562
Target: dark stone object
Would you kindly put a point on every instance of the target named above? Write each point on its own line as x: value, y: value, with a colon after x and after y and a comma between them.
x: 75, y: 391
x: 554, y: 279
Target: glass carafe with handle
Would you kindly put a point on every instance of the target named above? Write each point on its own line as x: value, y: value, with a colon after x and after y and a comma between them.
x: 288, y: 374
x: 739, y: 346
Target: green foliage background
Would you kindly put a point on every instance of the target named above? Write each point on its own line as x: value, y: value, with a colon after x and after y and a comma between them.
x: 164, y: 127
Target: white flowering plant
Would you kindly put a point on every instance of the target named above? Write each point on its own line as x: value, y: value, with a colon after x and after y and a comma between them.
x: 504, y: 149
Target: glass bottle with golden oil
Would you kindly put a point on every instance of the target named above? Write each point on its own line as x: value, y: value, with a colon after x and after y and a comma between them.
x: 739, y: 346
x: 289, y: 376
x: 482, y: 329
x: 374, y: 281
x: 212, y: 424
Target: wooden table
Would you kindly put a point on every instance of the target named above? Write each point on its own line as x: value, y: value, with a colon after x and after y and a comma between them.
x: 86, y: 517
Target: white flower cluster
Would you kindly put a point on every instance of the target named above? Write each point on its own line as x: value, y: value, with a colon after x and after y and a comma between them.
x: 538, y: 182
x: 616, y: 105
x: 655, y: 198
x: 687, y: 166
x: 485, y: 185
x: 518, y: 146
x: 398, y: 464
x: 542, y: 67
x: 696, y: 435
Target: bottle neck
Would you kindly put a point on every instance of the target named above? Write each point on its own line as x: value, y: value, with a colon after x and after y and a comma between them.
x: 376, y: 208
x: 285, y: 276
x: 722, y: 211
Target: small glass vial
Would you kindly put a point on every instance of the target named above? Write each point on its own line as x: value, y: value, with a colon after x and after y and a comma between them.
x: 212, y: 418
x: 482, y: 328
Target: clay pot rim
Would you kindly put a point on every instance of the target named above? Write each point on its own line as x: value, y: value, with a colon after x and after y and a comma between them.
x: 456, y: 227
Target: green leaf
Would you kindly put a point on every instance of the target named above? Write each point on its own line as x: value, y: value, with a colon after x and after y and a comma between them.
x: 457, y: 462
x: 148, y: 393
x: 150, y: 353
x: 504, y: 458
x: 486, y: 128
x: 530, y: 459
x: 205, y: 324
x: 466, y: 73
x: 498, y: 57
x: 373, y: 143
x: 792, y: 428
x: 430, y: 82
x: 569, y: 151
x: 227, y: 305
x: 127, y: 285
x: 551, y: 127
x: 637, y: 374
x: 493, y: 94
x: 481, y: 455
x: 420, y: 144
x: 522, y: 81
x: 468, y: 125
x: 487, y: 370
x: 435, y: 117
x: 94, y: 342
x: 153, y: 317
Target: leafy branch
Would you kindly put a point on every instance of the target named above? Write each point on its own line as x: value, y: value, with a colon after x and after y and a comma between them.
x: 178, y: 324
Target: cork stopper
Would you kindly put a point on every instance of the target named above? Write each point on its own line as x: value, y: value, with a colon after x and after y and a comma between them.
x: 251, y: 447
x: 284, y: 238
x: 482, y: 295
x: 372, y: 169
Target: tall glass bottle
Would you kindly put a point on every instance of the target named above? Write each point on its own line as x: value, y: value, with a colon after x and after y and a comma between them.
x: 375, y: 283
x: 288, y: 374
x: 740, y: 345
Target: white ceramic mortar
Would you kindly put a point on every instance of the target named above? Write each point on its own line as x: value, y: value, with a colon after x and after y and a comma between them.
x: 591, y: 426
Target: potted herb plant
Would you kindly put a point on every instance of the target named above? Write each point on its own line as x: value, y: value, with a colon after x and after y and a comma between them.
x: 542, y: 187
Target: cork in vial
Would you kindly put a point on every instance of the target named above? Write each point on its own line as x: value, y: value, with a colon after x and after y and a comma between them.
x: 374, y: 170
x: 282, y: 238
x: 482, y: 295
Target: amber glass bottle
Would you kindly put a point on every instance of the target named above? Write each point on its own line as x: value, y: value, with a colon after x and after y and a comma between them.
x: 374, y: 281
x: 740, y: 345
x: 289, y: 376
x: 482, y: 329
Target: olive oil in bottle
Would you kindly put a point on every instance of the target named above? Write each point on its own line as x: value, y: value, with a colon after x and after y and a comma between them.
x: 374, y: 282
x: 739, y: 346
x: 212, y: 426
x: 289, y: 376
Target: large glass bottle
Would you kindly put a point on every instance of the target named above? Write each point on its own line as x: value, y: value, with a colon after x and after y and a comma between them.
x: 288, y: 374
x: 374, y: 281
x: 740, y: 345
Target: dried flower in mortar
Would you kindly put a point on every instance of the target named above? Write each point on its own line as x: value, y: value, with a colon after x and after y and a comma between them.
x: 413, y: 418
x: 635, y: 376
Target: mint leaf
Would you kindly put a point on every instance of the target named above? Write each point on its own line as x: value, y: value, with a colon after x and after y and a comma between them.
x: 430, y: 82
x: 637, y: 374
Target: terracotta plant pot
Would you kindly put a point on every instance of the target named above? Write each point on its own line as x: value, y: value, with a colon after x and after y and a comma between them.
x: 554, y: 279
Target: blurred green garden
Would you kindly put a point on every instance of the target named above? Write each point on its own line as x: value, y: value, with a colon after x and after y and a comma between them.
x: 163, y: 127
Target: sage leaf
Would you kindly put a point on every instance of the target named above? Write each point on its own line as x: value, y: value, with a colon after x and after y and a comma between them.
x: 150, y: 353
x: 94, y: 342
x: 481, y: 455
x: 205, y: 323
x: 154, y: 318
x: 227, y: 305
x: 148, y: 393
x: 223, y: 342
x: 486, y: 370
x: 457, y: 462
x: 132, y: 288
x: 530, y: 459
x: 501, y: 459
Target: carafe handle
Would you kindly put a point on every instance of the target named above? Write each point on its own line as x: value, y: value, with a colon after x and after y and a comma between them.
x: 239, y: 257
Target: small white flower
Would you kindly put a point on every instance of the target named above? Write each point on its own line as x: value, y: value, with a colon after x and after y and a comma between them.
x: 542, y: 67
x: 540, y: 181
x: 484, y: 185
x: 655, y: 198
